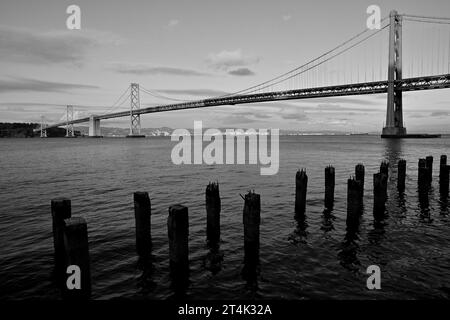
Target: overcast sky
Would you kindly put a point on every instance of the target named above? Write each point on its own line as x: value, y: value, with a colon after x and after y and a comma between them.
x: 195, y: 49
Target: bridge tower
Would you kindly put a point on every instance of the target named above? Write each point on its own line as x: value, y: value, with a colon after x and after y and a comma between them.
x: 135, y: 117
x: 94, y: 127
x: 43, y: 128
x: 394, y: 115
x: 69, y: 119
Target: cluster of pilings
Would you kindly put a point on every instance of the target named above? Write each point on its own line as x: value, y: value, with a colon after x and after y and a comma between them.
x: 70, y: 234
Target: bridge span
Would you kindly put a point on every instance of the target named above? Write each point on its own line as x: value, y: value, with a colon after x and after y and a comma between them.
x: 411, y: 84
x: 433, y: 75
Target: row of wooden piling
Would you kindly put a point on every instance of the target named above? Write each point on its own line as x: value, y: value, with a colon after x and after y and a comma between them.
x: 70, y: 234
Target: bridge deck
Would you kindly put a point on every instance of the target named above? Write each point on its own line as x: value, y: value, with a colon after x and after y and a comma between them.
x: 409, y: 84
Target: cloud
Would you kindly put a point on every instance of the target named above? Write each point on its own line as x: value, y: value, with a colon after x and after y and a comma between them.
x: 257, y: 115
x: 147, y: 70
x: 286, y: 17
x: 237, y: 119
x: 440, y: 114
x: 29, y: 46
x: 26, y: 84
x: 348, y: 100
x: 241, y: 72
x: 417, y: 115
x: 173, y: 23
x: 338, y: 107
x: 297, y: 116
x: 225, y: 60
x: 194, y: 92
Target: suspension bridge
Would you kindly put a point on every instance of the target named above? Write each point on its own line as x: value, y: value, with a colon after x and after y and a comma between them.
x: 407, y: 53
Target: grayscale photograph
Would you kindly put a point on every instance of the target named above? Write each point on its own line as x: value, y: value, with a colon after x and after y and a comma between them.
x: 224, y: 158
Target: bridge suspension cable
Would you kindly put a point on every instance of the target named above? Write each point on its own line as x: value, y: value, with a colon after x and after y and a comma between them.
x: 308, y: 68
x: 157, y: 94
x: 426, y: 45
x: 120, y: 101
x: 301, y: 69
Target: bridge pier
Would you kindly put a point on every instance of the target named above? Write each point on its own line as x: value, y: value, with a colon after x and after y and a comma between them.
x: 94, y: 127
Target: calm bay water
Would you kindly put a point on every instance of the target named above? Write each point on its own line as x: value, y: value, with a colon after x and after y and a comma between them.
x: 297, y: 261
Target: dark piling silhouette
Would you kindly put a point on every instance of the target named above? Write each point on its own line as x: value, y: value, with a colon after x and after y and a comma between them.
x: 444, y: 177
x: 77, y: 254
x: 213, y: 207
x: 379, y: 194
x: 178, y: 232
x: 330, y: 182
x: 423, y: 174
x: 142, y: 215
x: 252, y: 221
x: 401, y: 175
x: 384, y: 168
x: 301, y: 185
x: 359, y: 176
x: 60, y: 209
x: 429, y: 165
x: 354, y: 202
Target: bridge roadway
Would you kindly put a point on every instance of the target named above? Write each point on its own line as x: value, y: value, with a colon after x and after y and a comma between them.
x: 409, y: 84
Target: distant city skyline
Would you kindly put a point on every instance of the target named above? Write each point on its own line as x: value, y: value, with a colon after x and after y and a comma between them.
x: 191, y: 50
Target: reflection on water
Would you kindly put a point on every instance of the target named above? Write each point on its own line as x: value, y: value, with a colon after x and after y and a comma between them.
x: 300, y: 234
x: 348, y: 255
x: 327, y: 220
x: 145, y: 282
x: 214, y: 258
x: 393, y: 150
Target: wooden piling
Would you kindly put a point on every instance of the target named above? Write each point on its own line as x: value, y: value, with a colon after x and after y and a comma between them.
x: 379, y: 193
x: 213, y: 207
x: 329, y: 187
x: 301, y: 185
x: 77, y: 254
x: 60, y: 209
x: 354, y: 201
x: 401, y: 175
x: 443, y: 172
x: 178, y: 232
x: 142, y: 215
x: 429, y: 165
x: 422, y: 174
x: 359, y: 175
x: 251, y: 220
x: 444, y: 177
x: 384, y: 168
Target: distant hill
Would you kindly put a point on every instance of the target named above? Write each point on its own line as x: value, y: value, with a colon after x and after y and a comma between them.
x: 17, y: 130
x: 25, y: 130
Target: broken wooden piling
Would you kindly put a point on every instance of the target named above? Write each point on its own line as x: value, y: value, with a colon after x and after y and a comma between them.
x: 77, y: 259
x: 60, y: 209
x: 251, y: 220
x: 423, y: 175
x: 178, y: 232
x: 301, y: 185
x: 359, y: 175
x: 329, y: 187
x: 213, y: 207
x: 142, y: 215
x: 384, y: 168
x: 429, y: 165
x: 354, y: 201
x: 444, y: 176
x: 379, y: 193
x: 401, y: 177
